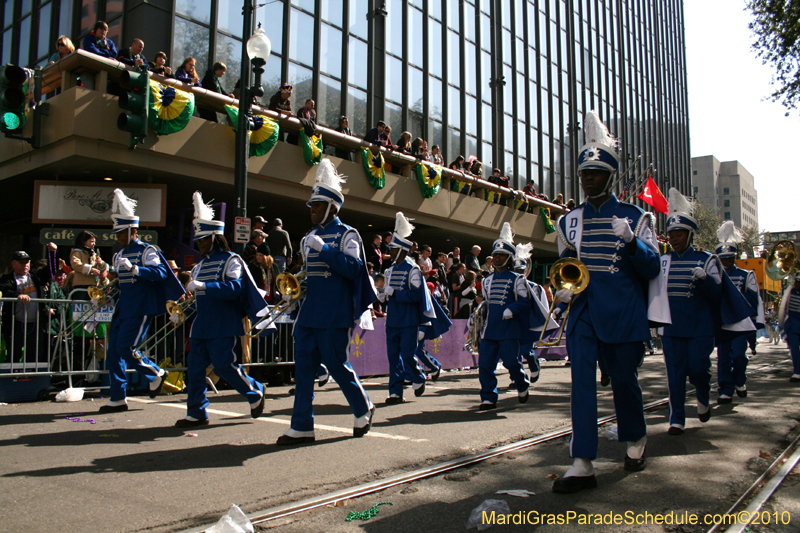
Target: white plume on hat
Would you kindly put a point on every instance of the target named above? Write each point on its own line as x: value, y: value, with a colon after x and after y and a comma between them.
x: 122, y: 205
x: 201, y: 210
x: 506, y: 233
x: 402, y: 226
x: 679, y: 204
x: 524, y: 251
x: 327, y: 175
x: 728, y: 234
x: 596, y: 132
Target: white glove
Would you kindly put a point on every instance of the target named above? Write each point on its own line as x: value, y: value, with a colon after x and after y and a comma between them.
x: 556, y: 312
x: 125, y: 263
x: 420, y: 335
x: 286, y: 297
x: 699, y: 273
x: 135, y: 270
x: 622, y: 229
x: 315, y: 243
x: 564, y: 295
x: 175, y: 319
x: 507, y: 314
x: 388, y: 291
x: 195, y: 285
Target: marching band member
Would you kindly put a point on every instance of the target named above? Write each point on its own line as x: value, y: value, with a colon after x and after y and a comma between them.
x: 338, y: 295
x: 609, y: 318
x: 145, y: 285
x: 429, y: 332
x: 224, y: 294
x: 732, y: 356
x: 789, y: 320
x: 507, y: 297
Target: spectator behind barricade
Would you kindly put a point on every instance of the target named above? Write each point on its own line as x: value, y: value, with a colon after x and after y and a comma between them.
x: 86, y: 265
x: 62, y: 274
x: 454, y: 281
x: 186, y: 73
x: 425, y: 263
x: 453, y: 257
x: 96, y: 42
x: 297, y: 263
x: 466, y: 294
x: 548, y: 291
x: 373, y: 136
x: 64, y: 47
x: 344, y: 127
x: 260, y: 223
x: 174, y: 267
x: 212, y: 81
x: 185, y: 276
x: 160, y: 66
x: 25, y: 322
x: 530, y: 188
x: 387, y: 238
x: 473, y: 263
x: 133, y: 56
x: 308, y: 112
x: 488, y: 266
x: 373, y: 253
x: 257, y: 238
x: 441, y: 269
x: 457, y: 164
x: 436, y: 156
x: 280, y: 245
x: 370, y: 268
x: 264, y: 272
x: 380, y: 284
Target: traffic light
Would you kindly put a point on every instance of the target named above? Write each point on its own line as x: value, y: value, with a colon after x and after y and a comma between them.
x: 13, y: 98
x: 136, y: 99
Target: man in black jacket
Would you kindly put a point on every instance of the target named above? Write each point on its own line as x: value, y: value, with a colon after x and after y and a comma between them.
x: 211, y: 81
x: 133, y: 55
x: 280, y: 244
x: 24, y: 322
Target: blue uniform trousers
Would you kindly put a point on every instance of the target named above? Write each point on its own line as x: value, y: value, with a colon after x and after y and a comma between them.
x: 329, y: 347
x: 529, y: 354
x: 687, y: 356
x: 222, y: 354
x: 427, y: 360
x: 401, y: 343
x: 732, y: 365
x: 793, y: 340
x: 621, y: 360
x: 125, y: 334
x: 489, y: 353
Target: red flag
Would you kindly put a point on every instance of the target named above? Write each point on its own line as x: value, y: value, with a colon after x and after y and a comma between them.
x: 652, y: 195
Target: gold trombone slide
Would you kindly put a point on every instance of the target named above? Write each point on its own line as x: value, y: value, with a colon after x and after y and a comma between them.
x: 567, y: 273
x: 159, y: 335
x: 99, y: 298
x: 286, y: 284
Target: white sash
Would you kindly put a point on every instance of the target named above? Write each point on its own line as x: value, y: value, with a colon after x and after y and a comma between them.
x: 657, y: 298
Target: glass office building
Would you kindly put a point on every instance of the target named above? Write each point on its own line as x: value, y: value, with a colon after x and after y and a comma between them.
x: 507, y: 81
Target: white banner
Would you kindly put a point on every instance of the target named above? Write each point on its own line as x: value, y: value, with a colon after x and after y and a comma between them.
x: 80, y: 311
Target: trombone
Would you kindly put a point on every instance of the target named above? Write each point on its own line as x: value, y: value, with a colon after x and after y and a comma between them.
x: 99, y: 298
x: 173, y: 308
x: 286, y: 284
x: 567, y: 273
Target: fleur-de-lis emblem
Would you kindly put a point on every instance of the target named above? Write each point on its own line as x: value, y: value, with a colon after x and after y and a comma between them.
x: 436, y: 343
x: 356, y: 344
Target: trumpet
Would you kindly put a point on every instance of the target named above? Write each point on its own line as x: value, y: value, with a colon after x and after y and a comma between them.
x: 286, y: 284
x: 782, y: 260
x: 568, y: 273
x: 160, y: 335
x: 99, y: 298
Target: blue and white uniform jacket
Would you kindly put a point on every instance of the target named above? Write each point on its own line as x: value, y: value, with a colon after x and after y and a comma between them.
x: 691, y: 301
x: 230, y: 294
x: 410, y: 305
x: 147, y: 293
x: 746, y: 282
x: 789, y: 314
x: 539, y: 310
x: 501, y: 291
x: 338, y: 290
x: 615, y: 300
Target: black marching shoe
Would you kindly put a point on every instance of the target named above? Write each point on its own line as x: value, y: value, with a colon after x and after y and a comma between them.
x: 113, y: 408
x: 183, y: 423
x: 394, y: 400
x: 286, y: 440
x: 724, y: 399
x: 420, y: 391
x: 674, y: 430
x: 605, y: 379
x: 635, y: 465
x: 155, y: 392
x: 435, y: 375
x: 569, y: 485
x: 706, y: 416
x: 324, y: 380
x: 360, y: 432
x: 741, y: 392
x: 487, y: 406
x: 795, y: 378
x: 524, y: 399
x: 256, y: 411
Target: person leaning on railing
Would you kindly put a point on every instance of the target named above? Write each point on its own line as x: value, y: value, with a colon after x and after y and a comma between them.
x: 64, y: 47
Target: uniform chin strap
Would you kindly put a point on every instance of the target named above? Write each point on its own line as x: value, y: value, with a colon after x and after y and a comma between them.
x: 606, y: 189
x: 327, y: 212
x: 508, y: 257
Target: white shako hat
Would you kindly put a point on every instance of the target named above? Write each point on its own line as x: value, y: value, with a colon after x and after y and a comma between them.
x: 328, y: 185
x: 204, y: 223
x: 122, y: 212
x: 599, y: 151
x: 729, y: 237
x: 681, y: 212
x: 402, y: 231
x: 522, y: 256
x: 505, y: 244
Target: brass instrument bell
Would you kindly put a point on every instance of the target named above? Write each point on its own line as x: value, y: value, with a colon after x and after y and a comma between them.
x: 782, y: 260
x: 567, y: 273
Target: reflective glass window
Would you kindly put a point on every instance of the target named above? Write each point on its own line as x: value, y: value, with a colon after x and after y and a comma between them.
x: 64, y: 19
x: 229, y: 51
x: 470, y: 72
x: 7, y: 46
x: 487, y: 159
x: 435, y: 50
x: 272, y: 77
x: 486, y: 6
x: 357, y: 111
x: 357, y: 72
x: 394, y: 79
x: 522, y: 175
x: 415, y: 89
x: 394, y: 27
x: 191, y: 40
x: 522, y: 115
x: 507, y: 13
x: 308, y: 5
x: 453, y: 148
x: 415, y: 28
x: 25, y: 8
x: 329, y: 102
x: 486, y: 123
x: 508, y: 88
x: 435, y: 7
x: 358, y: 20
x: 437, y: 138
x: 416, y: 124
x: 486, y: 33
x: 197, y: 9
x: 417, y: 3
x: 332, y: 11
x: 301, y: 37
x: 508, y: 164
x: 486, y: 76
x: 532, y: 60
x: 469, y: 22
x: 471, y: 115
x: 508, y: 131
x: 24, y: 40
x: 534, y: 146
x: 229, y: 17
x: 507, y: 50
x: 454, y: 107
x: 453, y: 58
x: 453, y: 16
x: 435, y: 98
x: 89, y: 15
x: 330, y: 58
x: 394, y: 118
x: 300, y: 78
x: 472, y: 145
x: 8, y: 13
x: 545, y: 153
x: 545, y: 122
x: 271, y: 18
x: 44, y: 30
x: 533, y: 97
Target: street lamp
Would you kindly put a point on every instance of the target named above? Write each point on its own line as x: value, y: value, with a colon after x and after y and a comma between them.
x: 256, y: 52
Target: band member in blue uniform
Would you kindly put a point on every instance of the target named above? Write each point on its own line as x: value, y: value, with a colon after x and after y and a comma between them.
x: 732, y: 355
x: 145, y: 285
x: 431, y: 330
x: 338, y: 295
x: 789, y: 320
x: 507, y: 296
x: 609, y: 318
x: 224, y: 294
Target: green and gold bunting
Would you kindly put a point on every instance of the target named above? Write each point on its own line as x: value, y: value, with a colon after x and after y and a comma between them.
x: 463, y: 187
x: 544, y: 212
x: 312, y: 148
x: 373, y: 167
x: 429, y: 178
x: 494, y: 197
x: 521, y: 203
x: 263, y: 137
x: 170, y: 108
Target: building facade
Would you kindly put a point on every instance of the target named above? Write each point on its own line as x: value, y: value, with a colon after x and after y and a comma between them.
x: 507, y: 81
x: 728, y: 187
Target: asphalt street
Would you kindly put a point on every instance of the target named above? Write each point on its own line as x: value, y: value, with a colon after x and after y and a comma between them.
x: 135, y: 472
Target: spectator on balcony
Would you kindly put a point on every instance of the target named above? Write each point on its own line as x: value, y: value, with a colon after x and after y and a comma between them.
x: 466, y: 165
x: 476, y: 168
x: 160, y: 66
x: 559, y: 199
x: 64, y: 47
x: 374, y: 135
x: 96, y: 42
x: 530, y: 188
x: 308, y: 112
x: 436, y: 156
x: 457, y: 164
x: 186, y: 73
x: 344, y: 127
x: 212, y: 83
x: 419, y: 149
x: 386, y: 138
x: 281, y: 100
x: 134, y: 56
x: 404, y: 143
x: 570, y: 204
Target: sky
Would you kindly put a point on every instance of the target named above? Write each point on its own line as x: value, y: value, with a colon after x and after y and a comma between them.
x: 730, y: 115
